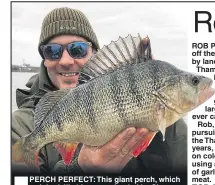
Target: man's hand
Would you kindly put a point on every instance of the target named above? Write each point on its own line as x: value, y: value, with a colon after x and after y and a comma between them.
x: 113, y: 156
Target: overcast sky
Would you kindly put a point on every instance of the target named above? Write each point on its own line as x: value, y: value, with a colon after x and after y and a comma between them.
x: 164, y: 23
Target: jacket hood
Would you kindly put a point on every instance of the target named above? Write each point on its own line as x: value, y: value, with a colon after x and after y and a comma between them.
x: 39, y: 84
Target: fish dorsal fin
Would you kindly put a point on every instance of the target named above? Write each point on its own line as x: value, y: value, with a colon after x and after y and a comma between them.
x: 46, y: 104
x: 124, y: 51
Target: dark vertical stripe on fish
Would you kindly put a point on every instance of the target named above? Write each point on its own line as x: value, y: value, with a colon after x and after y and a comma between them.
x: 156, y: 74
x: 57, y: 118
x: 38, y: 131
x: 76, y: 100
x: 89, y: 100
x: 118, y: 100
x: 134, y: 89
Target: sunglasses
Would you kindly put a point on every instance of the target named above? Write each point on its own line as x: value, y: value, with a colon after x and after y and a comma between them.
x: 76, y: 50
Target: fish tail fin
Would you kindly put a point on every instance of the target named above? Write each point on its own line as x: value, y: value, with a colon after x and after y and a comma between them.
x: 144, y: 145
x: 18, y: 151
x: 66, y: 150
x: 21, y: 155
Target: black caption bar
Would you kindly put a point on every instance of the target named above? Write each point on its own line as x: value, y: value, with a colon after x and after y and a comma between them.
x: 156, y: 179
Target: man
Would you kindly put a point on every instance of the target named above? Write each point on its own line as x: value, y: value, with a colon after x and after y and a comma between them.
x: 63, y: 31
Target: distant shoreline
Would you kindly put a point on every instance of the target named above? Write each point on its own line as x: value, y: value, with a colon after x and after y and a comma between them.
x: 26, y: 68
x: 24, y: 71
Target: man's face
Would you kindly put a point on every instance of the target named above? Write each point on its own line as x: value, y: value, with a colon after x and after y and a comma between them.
x: 63, y: 73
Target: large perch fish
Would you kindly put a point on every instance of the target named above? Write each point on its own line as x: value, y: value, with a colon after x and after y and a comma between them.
x: 125, y: 88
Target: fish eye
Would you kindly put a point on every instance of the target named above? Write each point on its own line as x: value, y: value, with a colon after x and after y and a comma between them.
x: 195, y: 81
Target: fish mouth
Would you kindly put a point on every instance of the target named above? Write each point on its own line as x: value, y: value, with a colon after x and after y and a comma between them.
x: 205, y: 94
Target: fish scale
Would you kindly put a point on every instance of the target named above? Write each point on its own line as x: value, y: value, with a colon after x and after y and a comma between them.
x: 110, y: 108
x: 130, y: 90
x: 95, y: 94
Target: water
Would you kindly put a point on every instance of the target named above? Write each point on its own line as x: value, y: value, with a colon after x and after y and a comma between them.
x: 19, y: 80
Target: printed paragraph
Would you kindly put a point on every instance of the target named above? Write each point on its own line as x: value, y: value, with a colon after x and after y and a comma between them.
x: 203, y: 136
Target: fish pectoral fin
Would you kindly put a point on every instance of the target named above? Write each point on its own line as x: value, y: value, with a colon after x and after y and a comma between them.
x: 37, y: 160
x: 162, y: 128
x: 66, y: 150
x: 144, y: 145
x: 161, y: 120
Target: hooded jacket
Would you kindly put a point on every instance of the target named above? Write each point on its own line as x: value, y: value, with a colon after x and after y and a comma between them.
x: 168, y: 155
